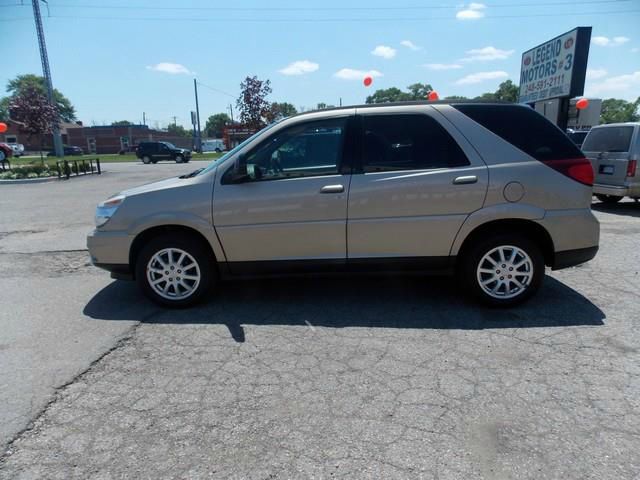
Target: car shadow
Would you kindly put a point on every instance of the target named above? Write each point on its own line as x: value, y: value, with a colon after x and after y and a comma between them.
x: 630, y: 209
x: 374, y: 302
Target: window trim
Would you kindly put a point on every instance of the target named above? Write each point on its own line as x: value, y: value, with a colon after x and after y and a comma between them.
x: 345, y: 164
x: 359, y: 163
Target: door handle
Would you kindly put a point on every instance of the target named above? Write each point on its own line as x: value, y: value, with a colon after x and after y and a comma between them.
x: 465, y: 180
x: 332, y: 189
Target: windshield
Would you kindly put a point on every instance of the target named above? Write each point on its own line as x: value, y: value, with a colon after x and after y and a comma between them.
x: 608, y: 139
x: 233, y: 151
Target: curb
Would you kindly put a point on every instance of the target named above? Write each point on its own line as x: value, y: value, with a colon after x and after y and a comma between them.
x: 24, y: 181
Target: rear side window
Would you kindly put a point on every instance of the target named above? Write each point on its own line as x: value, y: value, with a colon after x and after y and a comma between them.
x: 608, y: 139
x: 408, y: 142
x: 525, y: 129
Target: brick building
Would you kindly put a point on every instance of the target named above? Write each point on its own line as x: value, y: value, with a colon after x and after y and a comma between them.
x: 116, y: 138
x: 35, y: 142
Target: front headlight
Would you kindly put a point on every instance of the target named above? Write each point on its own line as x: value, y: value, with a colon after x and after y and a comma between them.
x: 106, y: 209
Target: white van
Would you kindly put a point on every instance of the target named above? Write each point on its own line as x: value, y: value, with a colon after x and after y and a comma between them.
x: 215, y: 145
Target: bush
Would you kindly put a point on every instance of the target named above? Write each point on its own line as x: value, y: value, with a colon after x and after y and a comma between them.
x: 32, y: 175
x: 28, y: 171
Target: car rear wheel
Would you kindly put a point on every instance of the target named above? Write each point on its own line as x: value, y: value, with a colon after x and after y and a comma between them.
x: 179, y: 159
x: 608, y: 198
x: 174, y: 270
x: 146, y: 159
x: 503, y: 270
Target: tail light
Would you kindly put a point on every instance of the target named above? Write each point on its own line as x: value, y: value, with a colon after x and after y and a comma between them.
x: 631, y: 168
x: 578, y: 169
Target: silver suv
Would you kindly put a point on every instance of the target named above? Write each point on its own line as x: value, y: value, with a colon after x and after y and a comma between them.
x: 490, y: 192
x: 614, y: 151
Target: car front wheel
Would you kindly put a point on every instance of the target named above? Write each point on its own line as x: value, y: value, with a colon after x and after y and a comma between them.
x: 503, y: 270
x: 179, y: 159
x: 174, y: 270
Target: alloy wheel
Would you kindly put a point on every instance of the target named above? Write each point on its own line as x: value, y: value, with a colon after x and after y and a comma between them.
x: 173, y: 274
x: 505, y: 272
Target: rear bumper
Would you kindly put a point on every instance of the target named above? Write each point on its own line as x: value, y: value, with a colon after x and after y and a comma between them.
x: 570, y: 258
x: 632, y: 190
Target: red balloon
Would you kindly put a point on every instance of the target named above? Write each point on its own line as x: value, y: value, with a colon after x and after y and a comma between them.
x: 433, y: 96
x: 368, y: 80
x: 582, y: 103
x: 3, y: 127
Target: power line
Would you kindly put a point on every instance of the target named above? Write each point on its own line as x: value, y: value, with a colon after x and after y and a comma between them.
x: 314, y: 9
x: 332, y: 20
x: 215, y: 89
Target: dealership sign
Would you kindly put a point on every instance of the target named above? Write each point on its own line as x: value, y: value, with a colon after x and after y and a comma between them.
x: 556, y: 68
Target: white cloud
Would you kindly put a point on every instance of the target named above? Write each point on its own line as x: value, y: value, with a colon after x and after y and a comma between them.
x: 384, y: 52
x: 486, y: 54
x: 172, y: 68
x: 596, y: 73
x: 442, y: 66
x: 635, y: 50
x: 622, y: 86
x: 299, y: 67
x: 481, y: 77
x: 353, y: 74
x: 473, y: 11
x: 410, y: 45
x: 609, y: 42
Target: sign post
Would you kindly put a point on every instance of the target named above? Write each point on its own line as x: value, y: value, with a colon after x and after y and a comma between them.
x: 556, y: 69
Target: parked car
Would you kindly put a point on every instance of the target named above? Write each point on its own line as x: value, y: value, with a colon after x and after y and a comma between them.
x: 577, y: 136
x: 152, y: 152
x: 18, y: 149
x: 216, y: 145
x: 5, y: 151
x: 68, y: 150
x: 429, y: 187
x: 614, y: 151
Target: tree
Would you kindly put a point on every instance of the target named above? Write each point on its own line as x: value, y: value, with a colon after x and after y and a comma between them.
x: 455, y: 97
x: 32, y: 110
x: 22, y: 82
x: 616, y: 110
x: 507, y: 92
x: 252, y: 103
x: 121, y: 123
x: 215, y: 125
x: 278, y: 111
x: 178, y: 130
x: 417, y: 91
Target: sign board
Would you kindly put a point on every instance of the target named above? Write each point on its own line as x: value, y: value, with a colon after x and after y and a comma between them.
x: 556, y: 68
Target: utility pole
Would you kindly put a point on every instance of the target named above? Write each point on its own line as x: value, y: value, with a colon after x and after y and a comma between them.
x: 231, y: 112
x: 198, y: 135
x: 144, y: 118
x: 175, y: 124
x: 57, y: 139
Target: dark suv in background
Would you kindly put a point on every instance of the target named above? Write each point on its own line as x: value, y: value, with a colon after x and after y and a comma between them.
x: 152, y: 152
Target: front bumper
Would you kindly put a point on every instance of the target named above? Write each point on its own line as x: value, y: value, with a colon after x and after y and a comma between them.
x: 110, y: 251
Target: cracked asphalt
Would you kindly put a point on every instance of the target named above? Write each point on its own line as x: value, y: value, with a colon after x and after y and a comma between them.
x: 365, y: 377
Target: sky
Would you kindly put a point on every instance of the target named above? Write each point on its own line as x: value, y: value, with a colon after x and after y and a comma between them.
x: 115, y: 59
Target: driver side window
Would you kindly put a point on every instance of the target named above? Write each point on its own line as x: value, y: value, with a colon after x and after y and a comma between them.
x: 308, y: 149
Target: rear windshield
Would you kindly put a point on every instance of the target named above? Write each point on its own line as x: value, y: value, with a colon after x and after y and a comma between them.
x: 608, y: 139
x: 525, y: 129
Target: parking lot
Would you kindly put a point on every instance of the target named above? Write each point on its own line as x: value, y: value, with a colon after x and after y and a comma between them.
x: 364, y: 377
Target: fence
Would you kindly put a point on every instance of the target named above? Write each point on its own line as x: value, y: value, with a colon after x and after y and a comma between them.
x: 85, y: 166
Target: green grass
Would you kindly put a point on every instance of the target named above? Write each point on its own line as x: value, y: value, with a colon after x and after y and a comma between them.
x: 112, y: 158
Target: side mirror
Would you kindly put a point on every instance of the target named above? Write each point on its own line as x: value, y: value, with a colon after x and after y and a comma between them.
x: 239, y: 173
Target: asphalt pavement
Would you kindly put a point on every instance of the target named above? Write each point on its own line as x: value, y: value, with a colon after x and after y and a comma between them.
x: 365, y: 377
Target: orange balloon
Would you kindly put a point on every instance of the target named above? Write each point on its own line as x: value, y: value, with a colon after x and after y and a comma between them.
x: 433, y: 96
x: 582, y: 103
x: 368, y: 80
x: 3, y: 127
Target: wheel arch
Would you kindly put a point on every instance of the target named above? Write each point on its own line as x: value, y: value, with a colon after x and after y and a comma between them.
x: 530, y: 228
x: 146, y: 235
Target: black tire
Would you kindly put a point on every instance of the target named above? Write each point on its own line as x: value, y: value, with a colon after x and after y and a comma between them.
x: 193, y: 247
x: 179, y: 159
x: 146, y: 159
x: 609, y: 199
x: 470, y: 263
x: 218, y: 150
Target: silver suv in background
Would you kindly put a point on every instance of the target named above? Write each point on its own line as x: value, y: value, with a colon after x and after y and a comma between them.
x: 614, y: 151
x: 489, y: 192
